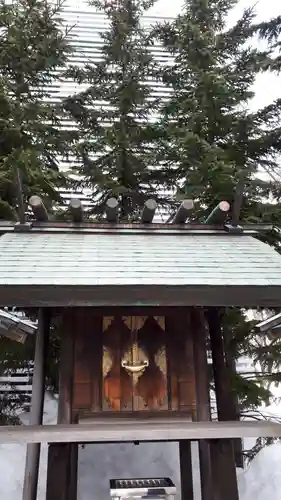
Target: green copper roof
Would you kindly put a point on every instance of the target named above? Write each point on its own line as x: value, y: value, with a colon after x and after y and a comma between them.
x: 178, y: 267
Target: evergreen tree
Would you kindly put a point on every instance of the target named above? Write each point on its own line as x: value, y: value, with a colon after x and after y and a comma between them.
x: 33, y: 50
x: 115, y: 113
x: 219, y: 147
x: 271, y: 32
x: 217, y: 143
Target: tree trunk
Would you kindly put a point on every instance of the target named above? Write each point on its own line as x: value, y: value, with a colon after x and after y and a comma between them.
x: 222, y: 453
x: 233, y: 400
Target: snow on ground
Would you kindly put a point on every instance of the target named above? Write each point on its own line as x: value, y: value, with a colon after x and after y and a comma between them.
x: 262, y: 479
x: 98, y: 463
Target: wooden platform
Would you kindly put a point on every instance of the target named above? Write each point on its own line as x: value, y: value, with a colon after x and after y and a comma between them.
x: 129, y: 430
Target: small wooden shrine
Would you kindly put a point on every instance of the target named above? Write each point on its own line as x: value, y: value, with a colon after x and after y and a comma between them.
x: 136, y: 303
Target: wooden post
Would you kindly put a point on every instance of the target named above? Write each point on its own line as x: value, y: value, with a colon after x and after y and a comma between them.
x: 202, y: 398
x: 148, y: 211
x: 222, y: 454
x: 37, y: 403
x: 186, y: 470
x: 219, y: 214
x: 111, y: 209
x: 57, y: 471
x: 38, y: 208
x: 223, y: 470
x: 76, y: 210
x: 62, y: 457
x: 183, y: 212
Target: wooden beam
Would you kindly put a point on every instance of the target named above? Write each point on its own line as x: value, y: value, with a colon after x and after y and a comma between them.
x: 76, y: 210
x: 219, y: 214
x: 267, y: 324
x: 96, y: 295
x: 111, y: 209
x: 38, y: 208
x: 37, y: 403
x: 131, y: 430
x: 183, y: 212
x: 130, y: 228
x: 148, y: 211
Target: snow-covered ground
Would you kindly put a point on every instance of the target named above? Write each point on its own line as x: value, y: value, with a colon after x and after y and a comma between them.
x: 98, y: 463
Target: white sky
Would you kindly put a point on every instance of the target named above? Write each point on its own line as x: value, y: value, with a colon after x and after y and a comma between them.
x: 268, y: 86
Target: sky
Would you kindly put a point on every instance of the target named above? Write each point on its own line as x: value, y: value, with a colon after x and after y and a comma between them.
x: 265, y: 8
x: 267, y: 87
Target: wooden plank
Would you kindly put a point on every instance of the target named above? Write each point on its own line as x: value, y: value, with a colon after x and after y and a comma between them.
x: 180, y: 361
x: 90, y: 417
x: 108, y: 431
x: 82, y: 363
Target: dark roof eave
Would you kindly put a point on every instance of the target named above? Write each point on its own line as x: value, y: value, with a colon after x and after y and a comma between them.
x: 140, y: 296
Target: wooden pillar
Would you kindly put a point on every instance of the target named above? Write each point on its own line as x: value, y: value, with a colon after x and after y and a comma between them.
x: 73, y: 469
x: 223, y: 470
x: 32, y: 461
x: 203, y: 412
x: 57, y: 471
x: 62, y: 457
x: 186, y: 470
x: 221, y: 454
x: 180, y: 362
